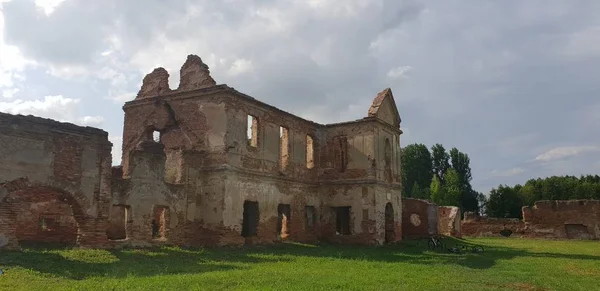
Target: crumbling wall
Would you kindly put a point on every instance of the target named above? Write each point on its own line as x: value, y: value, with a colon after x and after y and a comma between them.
x: 272, y: 196
x: 55, y: 179
x: 475, y: 225
x: 449, y: 221
x: 247, y: 172
x: 419, y: 218
x: 145, y: 195
x: 573, y: 219
x: 569, y: 219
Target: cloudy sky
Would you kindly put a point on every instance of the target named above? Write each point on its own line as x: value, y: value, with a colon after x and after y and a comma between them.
x: 515, y: 84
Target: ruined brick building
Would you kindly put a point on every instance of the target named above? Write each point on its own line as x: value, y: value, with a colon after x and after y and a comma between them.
x: 202, y: 164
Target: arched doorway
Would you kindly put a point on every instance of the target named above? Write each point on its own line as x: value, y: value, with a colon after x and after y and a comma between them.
x: 390, y: 235
x: 43, y: 215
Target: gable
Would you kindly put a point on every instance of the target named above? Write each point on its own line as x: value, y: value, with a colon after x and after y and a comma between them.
x: 384, y: 108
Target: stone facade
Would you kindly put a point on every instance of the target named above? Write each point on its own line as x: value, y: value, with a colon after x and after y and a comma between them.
x: 207, y: 165
x: 572, y: 219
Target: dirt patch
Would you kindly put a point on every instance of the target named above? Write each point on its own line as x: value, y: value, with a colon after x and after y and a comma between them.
x: 526, y: 287
x: 577, y: 270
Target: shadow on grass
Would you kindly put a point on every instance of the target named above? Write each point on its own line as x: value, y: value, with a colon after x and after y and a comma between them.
x: 417, y: 252
x: 80, y: 264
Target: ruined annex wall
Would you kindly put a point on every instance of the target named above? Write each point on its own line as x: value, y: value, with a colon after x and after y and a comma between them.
x: 62, y: 163
x: 419, y: 218
x: 138, y: 199
x: 194, y: 120
x: 474, y: 225
x: 449, y: 222
x: 268, y: 153
x: 573, y: 219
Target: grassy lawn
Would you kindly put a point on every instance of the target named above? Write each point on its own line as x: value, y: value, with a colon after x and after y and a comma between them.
x: 506, y: 264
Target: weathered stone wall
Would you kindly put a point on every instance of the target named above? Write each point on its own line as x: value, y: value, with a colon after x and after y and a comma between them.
x: 475, y: 225
x: 419, y: 218
x: 574, y: 219
x: 52, y: 175
x: 142, y: 192
x: 449, y: 221
x: 571, y: 219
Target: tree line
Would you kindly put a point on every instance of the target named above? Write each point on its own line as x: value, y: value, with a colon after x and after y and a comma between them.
x: 443, y: 177
x: 506, y: 201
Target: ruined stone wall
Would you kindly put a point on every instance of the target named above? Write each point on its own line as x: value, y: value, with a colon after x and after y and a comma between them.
x: 573, y: 219
x: 449, y: 222
x: 570, y: 219
x: 272, y: 195
x: 419, y: 218
x: 62, y: 163
x: 182, y: 121
x: 267, y: 155
x: 138, y: 197
x: 475, y: 225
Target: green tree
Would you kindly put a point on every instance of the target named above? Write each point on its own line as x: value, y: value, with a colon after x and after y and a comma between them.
x: 416, y: 167
x: 452, y: 191
x: 461, y: 164
x: 416, y: 191
x: 504, y: 202
x: 440, y: 161
x: 482, y: 203
x: 437, y: 190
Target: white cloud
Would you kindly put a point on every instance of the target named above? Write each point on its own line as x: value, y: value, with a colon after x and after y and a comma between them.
x: 12, y: 62
x: 240, y: 66
x: 508, y: 173
x: 55, y: 107
x: 48, y: 5
x: 399, y: 72
x: 116, y: 149
x: 9, y: 93
x: 92, y: 120
x: 584, y: 43
x: 565, y: 152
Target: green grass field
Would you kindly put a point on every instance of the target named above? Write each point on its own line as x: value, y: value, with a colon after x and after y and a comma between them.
x: 506, y: 264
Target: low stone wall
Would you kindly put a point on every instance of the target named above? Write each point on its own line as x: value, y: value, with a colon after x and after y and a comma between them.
x: 475, y: 225
x: 572, y: 219
x: 567, y: 219
x: 449, y: 221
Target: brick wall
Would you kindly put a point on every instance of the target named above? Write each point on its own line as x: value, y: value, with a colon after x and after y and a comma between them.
x: 419, y: 218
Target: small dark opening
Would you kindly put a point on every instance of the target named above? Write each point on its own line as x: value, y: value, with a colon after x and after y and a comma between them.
x: 159, y: 222
x: 577, y: 231
x: 250, y: 219
x: 49, y: 223
x: 283, y: 220
x: 118, y: 221
x: 310, y: 217
x: 506, y: 232
x: 342, y: 220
